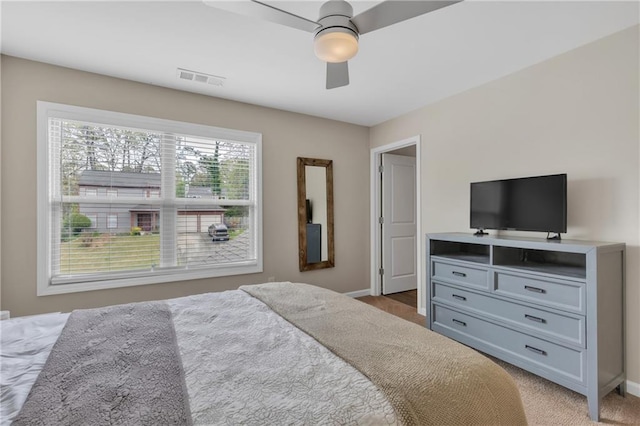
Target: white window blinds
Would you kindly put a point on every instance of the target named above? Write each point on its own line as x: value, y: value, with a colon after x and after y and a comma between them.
x: 135, y: 200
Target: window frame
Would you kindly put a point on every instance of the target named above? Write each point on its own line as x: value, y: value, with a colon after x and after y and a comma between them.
x: 109, y: 217
x: 46, y: 181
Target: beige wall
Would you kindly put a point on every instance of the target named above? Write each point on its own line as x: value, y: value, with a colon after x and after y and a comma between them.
x: 285, y: 137
x: 575, y: 114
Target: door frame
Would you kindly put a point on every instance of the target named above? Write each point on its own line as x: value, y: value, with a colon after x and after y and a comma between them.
x: 375, y: 212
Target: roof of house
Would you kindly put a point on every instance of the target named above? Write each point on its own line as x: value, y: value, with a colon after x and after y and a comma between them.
x: 111, y: 179
x: 199, y: 192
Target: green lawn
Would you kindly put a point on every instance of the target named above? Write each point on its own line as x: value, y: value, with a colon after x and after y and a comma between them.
x: 106, y: 252
x: 234, y: 233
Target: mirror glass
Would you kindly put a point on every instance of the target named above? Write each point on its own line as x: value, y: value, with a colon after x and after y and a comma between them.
x: 315, y: 213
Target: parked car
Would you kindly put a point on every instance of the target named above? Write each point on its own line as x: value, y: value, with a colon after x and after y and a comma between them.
x: 219, y: 232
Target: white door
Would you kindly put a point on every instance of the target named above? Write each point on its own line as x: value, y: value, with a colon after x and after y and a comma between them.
x: 399, y: 261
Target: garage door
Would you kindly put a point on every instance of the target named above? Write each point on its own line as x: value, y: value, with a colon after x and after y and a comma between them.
x: 187, y: 223
x: 206, y: 220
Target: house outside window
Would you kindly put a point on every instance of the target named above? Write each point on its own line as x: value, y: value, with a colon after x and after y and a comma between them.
x: 151, y: 189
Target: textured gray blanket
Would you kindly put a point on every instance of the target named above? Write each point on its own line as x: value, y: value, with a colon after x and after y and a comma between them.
x: 118, y: 365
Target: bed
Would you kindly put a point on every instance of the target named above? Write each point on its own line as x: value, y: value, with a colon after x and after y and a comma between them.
x: 274, y: 353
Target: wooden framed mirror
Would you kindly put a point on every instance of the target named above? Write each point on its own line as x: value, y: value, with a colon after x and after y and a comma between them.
x: 315, y: 214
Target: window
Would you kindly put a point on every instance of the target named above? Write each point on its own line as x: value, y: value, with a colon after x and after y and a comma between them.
x: 112, y: 221
x: 133, y: 175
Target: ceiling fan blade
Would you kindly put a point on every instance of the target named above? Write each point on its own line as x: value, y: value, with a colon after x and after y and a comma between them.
x: 264, y: 11
x: 393, y: 11
x: 337, y: 74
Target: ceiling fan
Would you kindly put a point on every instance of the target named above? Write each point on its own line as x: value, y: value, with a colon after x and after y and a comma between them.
x: 337, y: 31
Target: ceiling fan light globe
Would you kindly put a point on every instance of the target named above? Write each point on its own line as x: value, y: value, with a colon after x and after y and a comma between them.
x: 335, y: 46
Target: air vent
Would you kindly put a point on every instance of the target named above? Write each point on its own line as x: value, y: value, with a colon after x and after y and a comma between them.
x: 200, y: 77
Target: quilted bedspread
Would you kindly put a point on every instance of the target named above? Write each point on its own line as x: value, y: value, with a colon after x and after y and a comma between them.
x: 267, y: 354
x: 236, y: 361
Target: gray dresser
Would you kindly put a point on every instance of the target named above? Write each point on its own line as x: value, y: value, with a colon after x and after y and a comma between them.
x: 554, y: 308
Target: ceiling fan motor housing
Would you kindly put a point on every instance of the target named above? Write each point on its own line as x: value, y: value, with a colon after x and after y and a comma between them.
x: 337, y: 39
x: 335, y: 16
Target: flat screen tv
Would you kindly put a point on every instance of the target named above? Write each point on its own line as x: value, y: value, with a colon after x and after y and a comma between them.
x: 537, y: 203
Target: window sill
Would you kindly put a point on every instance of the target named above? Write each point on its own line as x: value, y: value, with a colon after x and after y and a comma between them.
x: 173, y: 276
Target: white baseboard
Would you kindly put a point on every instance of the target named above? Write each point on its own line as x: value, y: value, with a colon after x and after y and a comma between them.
x: 358, y: 293
x: 633, y: 388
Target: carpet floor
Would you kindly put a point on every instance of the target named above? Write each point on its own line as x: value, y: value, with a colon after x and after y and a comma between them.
x: 545, y: 403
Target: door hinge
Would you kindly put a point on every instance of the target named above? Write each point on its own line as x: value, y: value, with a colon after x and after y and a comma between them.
x: 381, y: 271
x: 381, y: 220
x: 380, y: 168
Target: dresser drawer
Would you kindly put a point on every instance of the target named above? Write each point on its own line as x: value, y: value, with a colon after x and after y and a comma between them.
x: 531, y: 351
x: 466, y: 275
x: 562, y: 328
x: 567, y: 295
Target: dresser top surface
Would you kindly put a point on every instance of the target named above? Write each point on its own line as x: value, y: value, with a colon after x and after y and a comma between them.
x: 525, y: 242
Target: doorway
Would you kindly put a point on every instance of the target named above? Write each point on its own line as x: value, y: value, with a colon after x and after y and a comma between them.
x: 395, y: 220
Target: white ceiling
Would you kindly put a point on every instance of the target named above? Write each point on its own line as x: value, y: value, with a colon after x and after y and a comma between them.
x: 398, y: 69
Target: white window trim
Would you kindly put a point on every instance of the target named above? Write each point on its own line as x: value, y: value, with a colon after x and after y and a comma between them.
x: 163, y: 275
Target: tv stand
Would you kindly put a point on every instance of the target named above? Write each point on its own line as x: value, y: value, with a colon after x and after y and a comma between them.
x: 555, y: 237
x: 553, y: 308
x: 480, y: 232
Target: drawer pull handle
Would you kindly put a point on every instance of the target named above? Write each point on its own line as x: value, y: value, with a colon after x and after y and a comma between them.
x: 462, y: 323
x: 535, y: 319
x: 536, y: 350
x: 535, y: 289
x: 455, y: 296
x: 459, y: 274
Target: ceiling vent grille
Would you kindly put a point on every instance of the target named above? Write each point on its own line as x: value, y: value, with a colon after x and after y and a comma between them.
x: 200, y: 77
